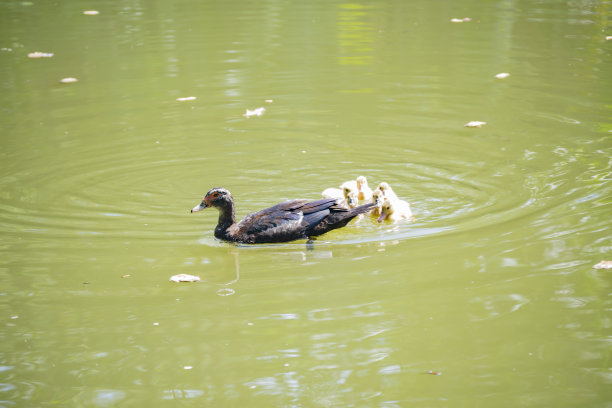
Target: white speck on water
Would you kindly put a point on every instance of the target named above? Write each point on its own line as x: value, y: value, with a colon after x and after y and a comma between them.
x: 225, y: 292
x: 254, y: 112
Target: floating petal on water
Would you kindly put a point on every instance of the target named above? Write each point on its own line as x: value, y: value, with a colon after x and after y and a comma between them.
x: 460, y: 20
x: 91, y: 12
x: 68, y: 80
x: 254, y: 112
x: 502, y: 75
x: 187, y: 98
x: 475, y: 123
x: 38, y: 54
x: 603, y: 265
x: 183, y: 277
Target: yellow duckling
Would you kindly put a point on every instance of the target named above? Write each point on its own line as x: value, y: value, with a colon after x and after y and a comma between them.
x: 349, y: 187
x: 334, y: 193
x: 378, y: 198
x: 388, y: 191
x: 395, y: 210
x: 351, y: 200
x: 365, y: 192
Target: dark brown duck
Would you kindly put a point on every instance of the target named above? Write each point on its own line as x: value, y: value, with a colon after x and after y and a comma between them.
x: 287, y: 221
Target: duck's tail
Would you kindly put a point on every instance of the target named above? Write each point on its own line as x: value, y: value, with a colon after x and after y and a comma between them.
x: 338, y: 218
x: 362, y: 209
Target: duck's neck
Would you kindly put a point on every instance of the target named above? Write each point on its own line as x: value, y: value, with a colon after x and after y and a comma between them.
x: 227, y: 218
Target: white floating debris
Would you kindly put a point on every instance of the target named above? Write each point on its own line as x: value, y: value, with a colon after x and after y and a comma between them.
x: 183, y: 277
x: 269, y: 100
x: 460, y: 20
x: 225, y: 292
x: 91, y: 12
x: 502, y: 75
x: 603, y: 265
x: 475, y: 123
x: 68, y: 80
x: 38, y: 54
x: 187, y: 98
x: 254, y: 112
x: 188, y: 367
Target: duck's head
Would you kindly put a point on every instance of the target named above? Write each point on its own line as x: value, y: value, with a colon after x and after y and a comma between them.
x: 217, y: 197
x: 385, y: 211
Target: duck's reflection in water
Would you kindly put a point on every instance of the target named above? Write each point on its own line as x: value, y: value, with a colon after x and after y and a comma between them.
x: 226, y: 291
x: 308, y: 254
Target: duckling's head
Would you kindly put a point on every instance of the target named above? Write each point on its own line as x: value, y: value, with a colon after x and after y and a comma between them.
x: 384, y: 187
x: 361, y: 182
x: 348, y: 189
x: 352, y: 200
x: 385, y: 211
x: 378, y: 197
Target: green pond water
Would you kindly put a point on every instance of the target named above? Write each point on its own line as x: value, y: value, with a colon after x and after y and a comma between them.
x: 491, y: 287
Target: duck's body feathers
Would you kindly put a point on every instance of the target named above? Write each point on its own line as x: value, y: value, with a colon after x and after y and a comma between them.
x: 287, y: 221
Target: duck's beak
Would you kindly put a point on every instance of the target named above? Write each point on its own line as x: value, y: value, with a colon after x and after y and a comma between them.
x: 200, y: 207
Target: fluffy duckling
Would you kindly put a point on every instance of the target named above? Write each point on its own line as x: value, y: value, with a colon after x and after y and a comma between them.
x: 395, y: 210
x: 351, y: 200
x: 349, y: 187
x: 388, y: 191
x: 378, y: 198
x: 334, y: 193
x: 365, y: 192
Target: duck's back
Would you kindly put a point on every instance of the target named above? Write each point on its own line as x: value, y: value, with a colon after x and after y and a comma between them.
x: 287, y: 221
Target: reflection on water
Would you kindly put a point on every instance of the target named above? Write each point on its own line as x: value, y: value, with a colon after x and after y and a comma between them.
x: 355, y: 34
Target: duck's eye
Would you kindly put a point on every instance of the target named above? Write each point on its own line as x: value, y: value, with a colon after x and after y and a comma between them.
x: 215, y: 195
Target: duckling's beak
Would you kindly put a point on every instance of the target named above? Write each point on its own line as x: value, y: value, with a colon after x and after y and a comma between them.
x: 200, y: 207
x: 383, y: 215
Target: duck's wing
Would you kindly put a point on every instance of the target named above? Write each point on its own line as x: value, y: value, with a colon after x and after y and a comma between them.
x: 285, y: 221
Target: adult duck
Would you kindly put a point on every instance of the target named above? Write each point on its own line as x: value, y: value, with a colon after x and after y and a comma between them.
x: 287, y: 221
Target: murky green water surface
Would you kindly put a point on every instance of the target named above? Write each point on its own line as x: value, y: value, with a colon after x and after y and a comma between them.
x: 491, y: 286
